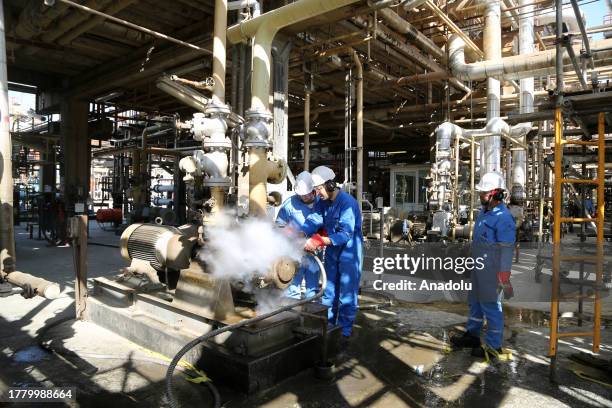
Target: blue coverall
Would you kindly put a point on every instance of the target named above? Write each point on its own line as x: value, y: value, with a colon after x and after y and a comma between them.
x: 293, y: 213
x: 343, y: 258
x: 494, y: 236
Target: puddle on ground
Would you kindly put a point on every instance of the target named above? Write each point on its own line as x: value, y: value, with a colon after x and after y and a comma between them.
x: 31, y: 354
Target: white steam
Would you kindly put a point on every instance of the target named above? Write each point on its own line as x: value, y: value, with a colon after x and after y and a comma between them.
x: 248, y: 248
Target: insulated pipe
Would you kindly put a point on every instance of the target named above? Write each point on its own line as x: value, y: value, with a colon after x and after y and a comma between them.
x: 263, y: 29
x: 519, y: 157
x: 219, y: 58
x: 183, y: 93
x: 490, y: 148
x: 307, y: 130
x: 568, y: 17
x: 359, y: 89
x: 44, y: 288
x: 541, y: 63
x: 243, y: 4
x: 262, y: 171
x: 7, y: 231
x: 402, y: 26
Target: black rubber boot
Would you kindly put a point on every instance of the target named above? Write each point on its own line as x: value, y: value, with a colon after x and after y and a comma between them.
x: 465, y: 340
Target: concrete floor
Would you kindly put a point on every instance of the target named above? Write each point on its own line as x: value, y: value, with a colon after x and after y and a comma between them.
x: 381, y: 368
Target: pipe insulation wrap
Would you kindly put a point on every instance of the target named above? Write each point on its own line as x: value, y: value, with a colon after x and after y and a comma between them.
x: 540, y: 63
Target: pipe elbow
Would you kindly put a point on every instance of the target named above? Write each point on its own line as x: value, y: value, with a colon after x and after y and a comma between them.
x: 276, y: 170
x: 498, y: 126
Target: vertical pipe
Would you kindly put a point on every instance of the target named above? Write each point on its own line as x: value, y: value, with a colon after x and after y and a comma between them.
x: 601, y: 206
x: 241, y: 77
x: 559, y: 51
x: 526, y: 41
x: 472, y: 186
x: 7, y: 232
x: 307, y: 130
x: 558, y: 192
x: 359, y: 118
x: 490, y: 151
x: 257, y: 181
x: 220, y: 34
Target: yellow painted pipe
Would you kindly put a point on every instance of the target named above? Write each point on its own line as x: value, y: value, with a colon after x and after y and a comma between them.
x: 263, y: 29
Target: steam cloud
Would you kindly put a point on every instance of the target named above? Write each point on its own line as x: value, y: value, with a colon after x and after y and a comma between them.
x: 245, y: 249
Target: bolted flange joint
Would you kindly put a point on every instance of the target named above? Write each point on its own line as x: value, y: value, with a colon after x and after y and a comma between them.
x: 211, y: 127
x: 258, y: 129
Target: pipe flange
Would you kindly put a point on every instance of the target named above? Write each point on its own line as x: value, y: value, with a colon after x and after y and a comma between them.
x: 258, y: 129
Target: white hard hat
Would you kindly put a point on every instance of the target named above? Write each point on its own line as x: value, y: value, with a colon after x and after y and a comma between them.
x: 491, y: 181
x: 303, y: 184
x: 322, y: 174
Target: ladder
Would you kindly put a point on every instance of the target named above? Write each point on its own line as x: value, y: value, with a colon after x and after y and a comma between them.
x: 558, y: 257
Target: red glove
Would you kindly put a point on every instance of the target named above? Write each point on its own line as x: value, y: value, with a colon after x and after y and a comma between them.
x: 503, y: 278
x: 314, y: 243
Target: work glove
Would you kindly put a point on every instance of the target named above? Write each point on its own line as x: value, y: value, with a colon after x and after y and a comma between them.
x: 504, y: 285
x: 314, y: 243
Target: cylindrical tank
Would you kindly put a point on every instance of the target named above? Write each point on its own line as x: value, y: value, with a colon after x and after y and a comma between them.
x: 160, y: 245
x: 113, y: 215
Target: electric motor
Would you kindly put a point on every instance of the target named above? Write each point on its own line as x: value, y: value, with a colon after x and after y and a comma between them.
x: 161, y: 246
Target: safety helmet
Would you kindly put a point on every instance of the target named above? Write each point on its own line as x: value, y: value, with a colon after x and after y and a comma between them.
x: 303, y: 184
x: 322, y: 174
x: 491, y: 181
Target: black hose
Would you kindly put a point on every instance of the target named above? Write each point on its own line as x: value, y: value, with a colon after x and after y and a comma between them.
x: 169, y: 374
x: 102, y: 245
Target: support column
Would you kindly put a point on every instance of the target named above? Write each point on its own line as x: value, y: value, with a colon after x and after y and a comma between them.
x: 7, y: 232
x: 76, y: 152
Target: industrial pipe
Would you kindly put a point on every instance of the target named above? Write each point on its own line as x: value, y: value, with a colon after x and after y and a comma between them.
x: 243, y: 4
x: 262, y: 171
x: 359, y: 107
x: 307, y: 130
x: 43, y: 288
x: 263, y: 29
x: 490, y: 148
x: 7, y: 231
x: 519, y: 157
x: 183, y: 93
x: 219, y: 57
x: 541, y: 63
x: 418, y: 38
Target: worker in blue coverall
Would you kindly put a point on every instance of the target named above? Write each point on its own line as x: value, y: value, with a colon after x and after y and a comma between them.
x: 292, y: 214
x: 494, y: 237
x: 343, y: 243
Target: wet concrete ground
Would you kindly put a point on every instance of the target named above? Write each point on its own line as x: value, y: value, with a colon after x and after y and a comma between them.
x: 397, y: 357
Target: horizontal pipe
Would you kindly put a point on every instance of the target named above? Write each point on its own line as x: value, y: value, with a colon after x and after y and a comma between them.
x: 43, y: 288
x: 515, y: 67
x: 135, y: 26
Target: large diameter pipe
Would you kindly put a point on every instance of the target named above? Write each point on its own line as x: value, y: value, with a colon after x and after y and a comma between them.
x: 258, y: 196
x: 219, y: 57
x: 307, y: 131
x: 490, y: 151
x: 541, y: 63
x: 7, y: 231
x: 43, y: 288
x: 184, y: 94
x: 526, y: 42
x: 263, y: 29
x: 359, y: 86
x: 418, y: 38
